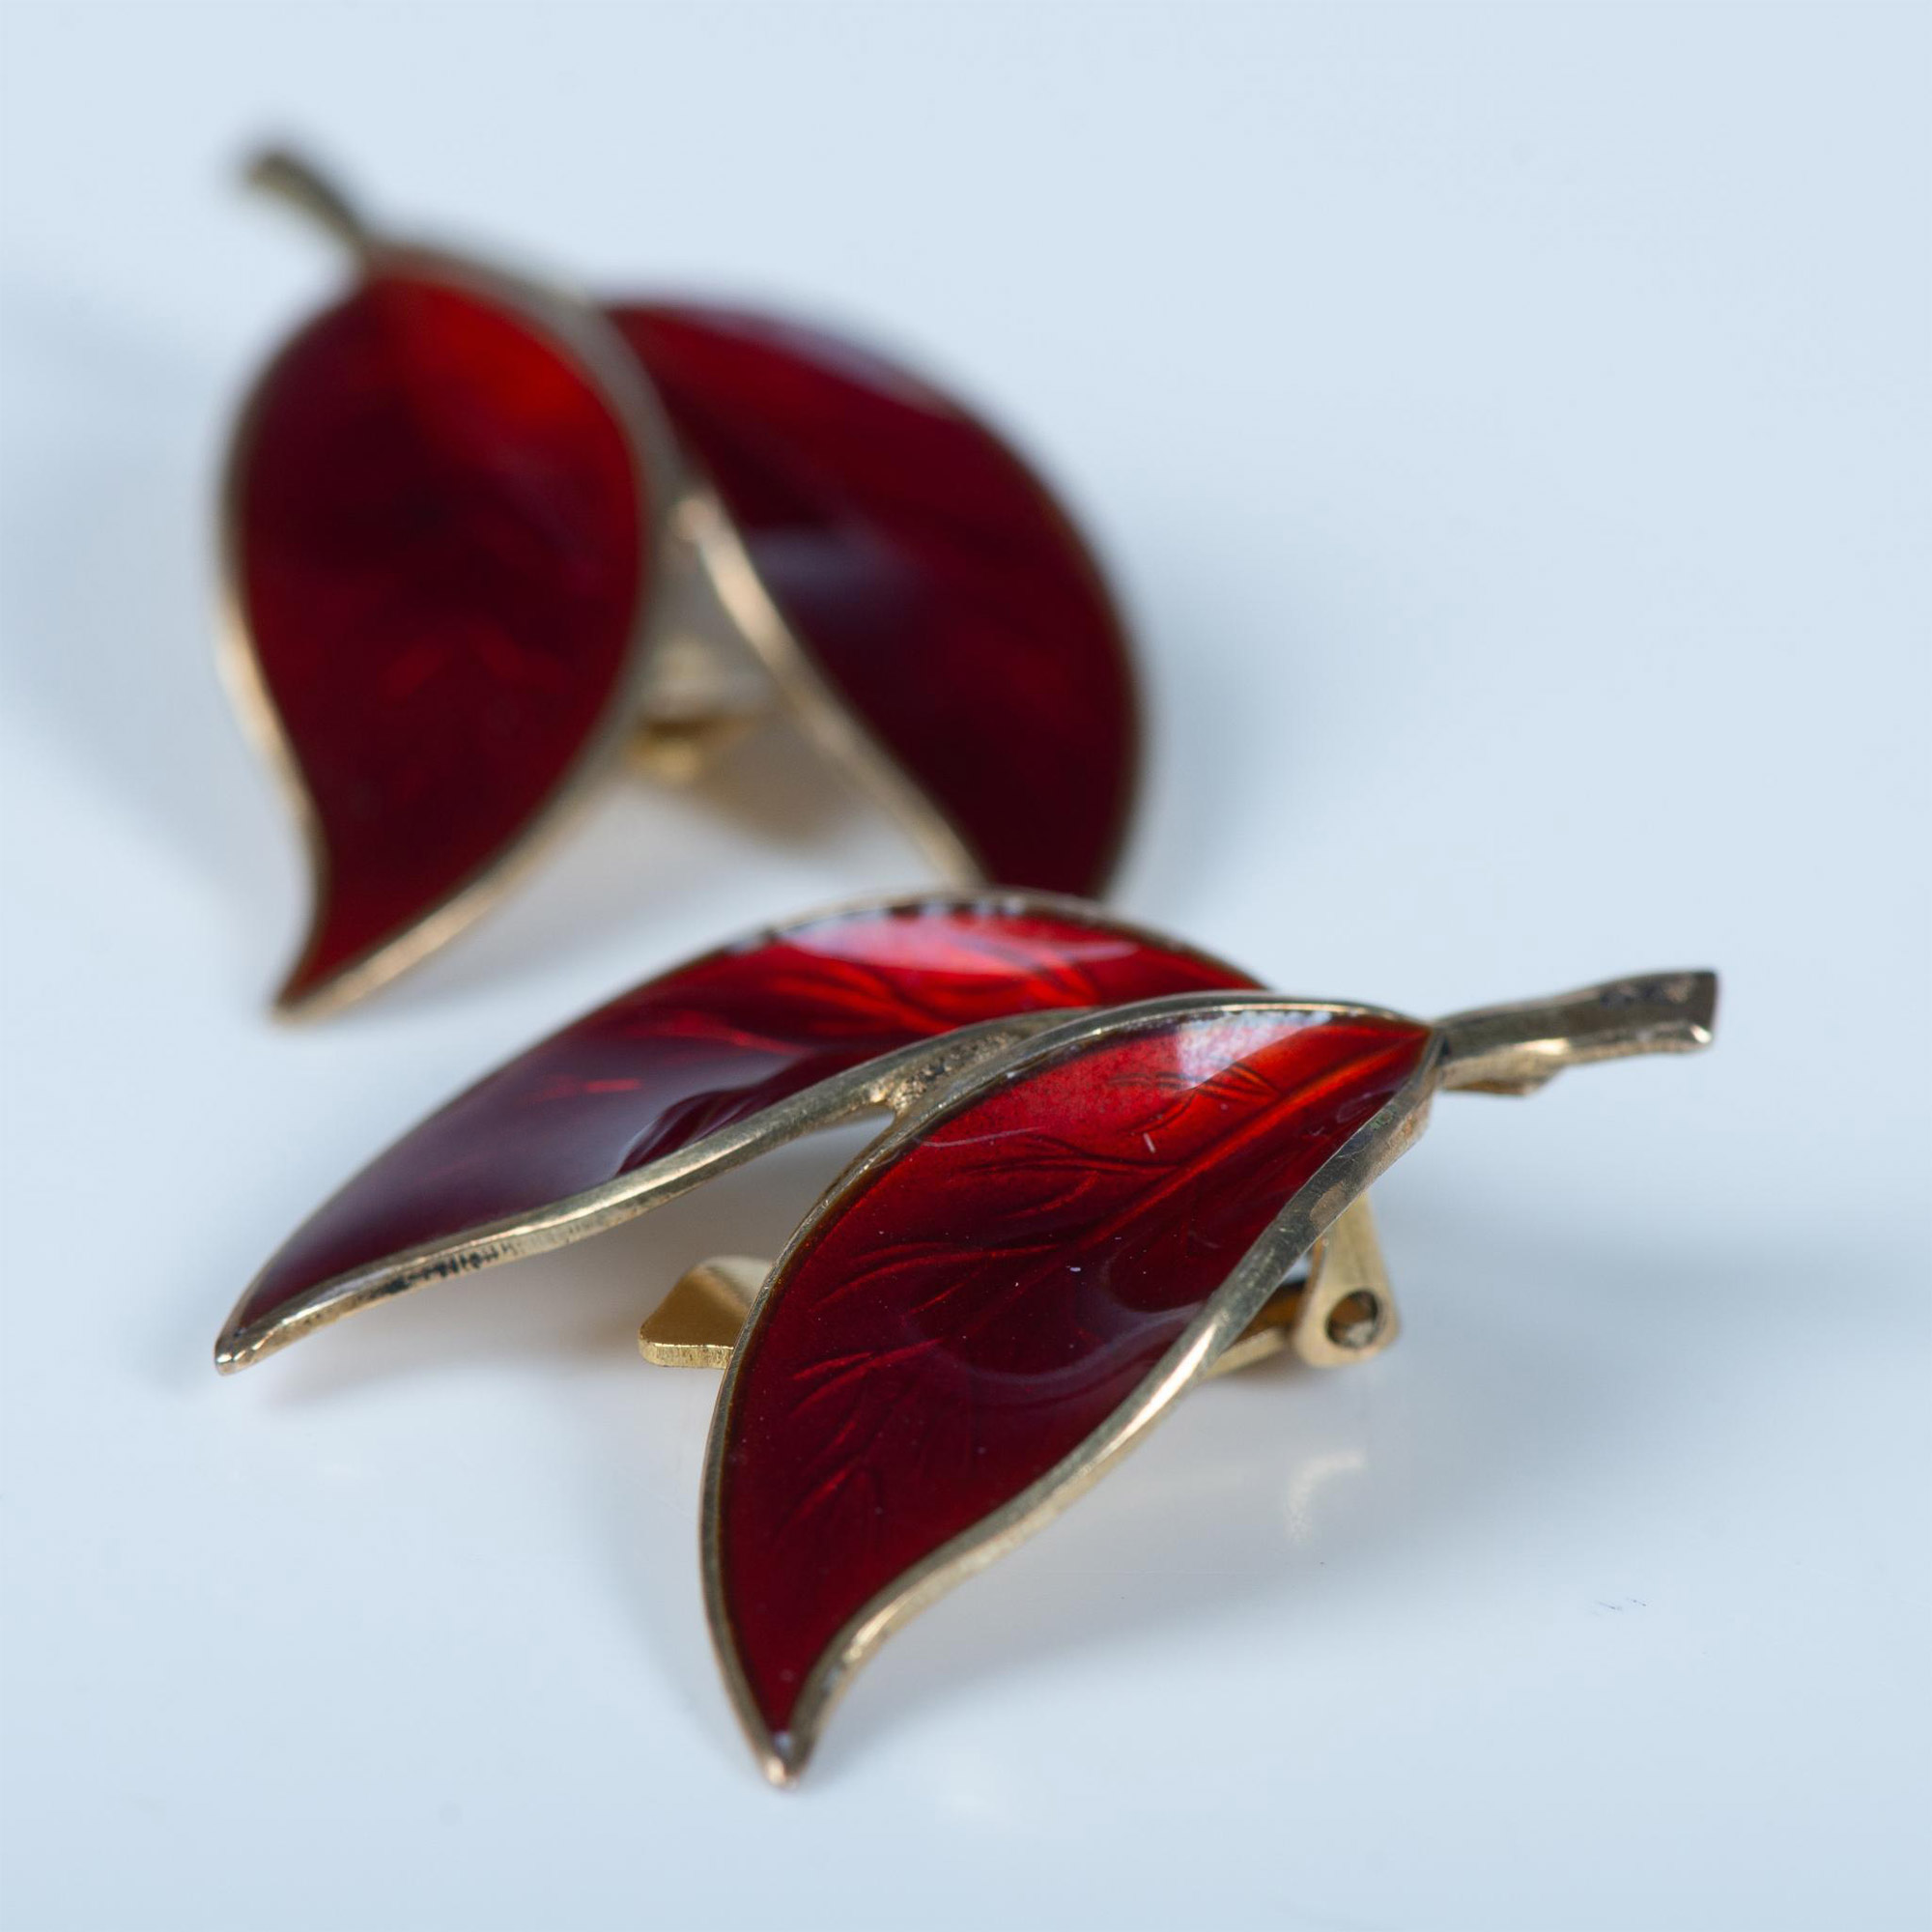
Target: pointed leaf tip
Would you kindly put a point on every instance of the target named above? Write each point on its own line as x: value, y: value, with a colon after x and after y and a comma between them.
x: 440, y: 558
x: 975, y: 1321
x: 685, y: 1060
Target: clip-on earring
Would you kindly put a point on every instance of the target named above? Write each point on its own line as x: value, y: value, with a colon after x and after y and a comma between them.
x: 1108, y: 1154
x: 485, y: 538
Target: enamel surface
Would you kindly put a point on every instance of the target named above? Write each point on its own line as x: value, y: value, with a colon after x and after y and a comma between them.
x: 930, y: 574
x: 706, y: 1047
x: 967, y: 1315
x: 440, y: 563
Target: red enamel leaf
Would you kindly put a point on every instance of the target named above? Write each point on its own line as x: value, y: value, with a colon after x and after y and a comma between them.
x: 979, y: 1305
x: 683, y: 1058
x: 439, y: 558
x: 932, y: 576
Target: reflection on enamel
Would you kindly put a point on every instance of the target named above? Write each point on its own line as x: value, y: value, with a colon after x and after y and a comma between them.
x: 968, y: 1316
x: 1201, y: 1052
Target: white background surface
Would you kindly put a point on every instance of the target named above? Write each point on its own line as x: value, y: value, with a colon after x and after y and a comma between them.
x: 1510, y: 431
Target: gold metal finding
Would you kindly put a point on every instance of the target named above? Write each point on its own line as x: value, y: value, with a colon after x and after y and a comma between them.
x: 1517, y: 1048
x: 697, y: 1323
x: 1342, y: 1311
x: 1509, y: 1049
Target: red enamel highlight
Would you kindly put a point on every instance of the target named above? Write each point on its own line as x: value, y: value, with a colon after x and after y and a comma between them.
x: 980, y: 1304
x: 931, y: 575
x: 706, y: 1047
x: 440, y: 563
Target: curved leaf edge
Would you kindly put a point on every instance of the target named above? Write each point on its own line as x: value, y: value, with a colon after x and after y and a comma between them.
x: 576, y: 1217
x: 1302, y: 1219
x: 852, y: 751
x: 590, y: 340
x: 874, y: 1085
x: 822, y: 712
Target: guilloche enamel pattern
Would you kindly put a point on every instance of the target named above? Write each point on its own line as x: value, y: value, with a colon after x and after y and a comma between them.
x: 692, y: 1072
x: 974, y: 1309
x: 1012, y: 1287
x: 1107, y: 1154
x: 483, y: 535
